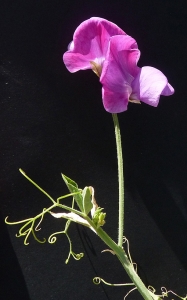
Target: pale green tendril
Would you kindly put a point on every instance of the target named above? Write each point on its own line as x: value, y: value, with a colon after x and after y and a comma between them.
x: 30, y: 226
x: 98, y: 280
x: 52, y: 239
x: 125, y: 240
x: 36, y: 185
x: 165, y: 293
x: 130, y: 292
x: 75, y: 256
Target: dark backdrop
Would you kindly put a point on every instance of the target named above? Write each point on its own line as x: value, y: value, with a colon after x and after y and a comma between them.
x: 53, y: 121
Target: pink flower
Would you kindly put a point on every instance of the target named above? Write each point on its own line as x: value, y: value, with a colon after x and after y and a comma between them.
x: 89, y: 46
x: 124, y: 81
x: 113, y: 55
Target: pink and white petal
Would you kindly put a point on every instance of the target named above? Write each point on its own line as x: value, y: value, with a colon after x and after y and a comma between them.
x: 115, y: 102
x: 149, y: 84
x: 90, y: 42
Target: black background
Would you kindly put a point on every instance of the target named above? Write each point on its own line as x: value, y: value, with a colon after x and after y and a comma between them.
x: 52, y: 121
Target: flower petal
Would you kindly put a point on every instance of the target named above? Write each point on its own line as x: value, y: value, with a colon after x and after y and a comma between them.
x: 168, y: 90
x: 121, y: 62
x: 118, y: 72
x: 90, y: 43
x: 115, y: 102
x: 149, y: 84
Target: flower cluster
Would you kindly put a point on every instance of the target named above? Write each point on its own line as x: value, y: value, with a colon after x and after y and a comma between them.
x: 102, y: 46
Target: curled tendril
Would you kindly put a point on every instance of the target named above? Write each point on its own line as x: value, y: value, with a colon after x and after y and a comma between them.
x: 130, y: 292
x: 108, y: 250
x: 29, y: 227
x: 77, y: 256
x: 151, y: 289
x: 98, y: 280
x: 41, y: 219
x: 125, y: 240
x: 26, y: 232
x: 52, y: 239
x: 165, y: 293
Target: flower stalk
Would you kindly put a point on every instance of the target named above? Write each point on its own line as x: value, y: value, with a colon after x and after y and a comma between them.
x: 120, y: 179
x: 118, y: 249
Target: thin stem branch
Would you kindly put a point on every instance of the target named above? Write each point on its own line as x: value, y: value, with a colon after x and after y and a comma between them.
x: 120, y: 179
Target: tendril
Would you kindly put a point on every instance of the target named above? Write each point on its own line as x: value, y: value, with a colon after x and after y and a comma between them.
x: 125, y: 240
x: 41, y: 219
x: 165, y: 293
x: 37, y: 186
x: 32, y: 225
x: 75, y: 256
x: 35, y: 237
x: 68, y: 195
x: 98, y: 280
x: 28, y: 227
x: 52, y: 239
x: 130, y: 292
x: 108, y: 250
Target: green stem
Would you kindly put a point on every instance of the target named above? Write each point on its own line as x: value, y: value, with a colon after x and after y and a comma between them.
x: 129, y: 268
x: 120, y: 179
x: 123, y: 258
x: 118, y: 249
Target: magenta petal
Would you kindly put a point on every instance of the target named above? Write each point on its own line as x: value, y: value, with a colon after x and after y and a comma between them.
x: 149, y: 84
x: 124, y: 50
x: 115, y: 102
x: 90, y: 43
x: 119, y: 68
x: 121, y: 61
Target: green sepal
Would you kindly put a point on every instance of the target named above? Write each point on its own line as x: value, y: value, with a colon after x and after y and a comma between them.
x: 99, y: 217
x: 87, y: 204
x: 73, y: 188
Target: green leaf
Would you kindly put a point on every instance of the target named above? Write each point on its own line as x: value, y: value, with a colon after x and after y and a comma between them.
x: 87, y: 204
x: 67, y: 181
x: 73, y: 188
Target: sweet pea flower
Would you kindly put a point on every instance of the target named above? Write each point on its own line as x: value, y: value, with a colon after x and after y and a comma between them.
x: 90, y: 44
x: 123, y: 81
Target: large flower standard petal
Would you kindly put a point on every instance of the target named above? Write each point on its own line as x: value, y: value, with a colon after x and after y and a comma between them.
x: 90, y: 44
x: 123, y: 81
